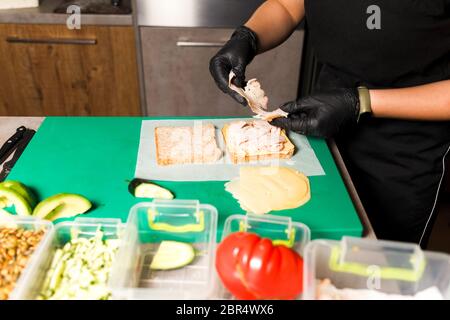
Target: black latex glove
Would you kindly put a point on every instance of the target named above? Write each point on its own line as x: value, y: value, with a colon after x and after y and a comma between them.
x: 235, y: 55
x: 321, y: 115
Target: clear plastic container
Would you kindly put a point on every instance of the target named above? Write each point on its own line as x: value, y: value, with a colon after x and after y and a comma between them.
x: 30, y: 223
x: 281, y: 230
x: 385, y: 266
x: 32, y: 282
x: 148, y: 225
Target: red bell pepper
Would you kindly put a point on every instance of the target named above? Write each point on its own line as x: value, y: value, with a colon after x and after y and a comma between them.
x: 251, y: 267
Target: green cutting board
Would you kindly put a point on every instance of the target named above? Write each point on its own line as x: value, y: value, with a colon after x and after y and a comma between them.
x: 96, y: 157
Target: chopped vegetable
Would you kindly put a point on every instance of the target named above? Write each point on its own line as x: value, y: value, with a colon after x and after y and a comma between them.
x: 62, y: 205
x: 172, y: 255
x: 80, y: 270
x: 145, y: 189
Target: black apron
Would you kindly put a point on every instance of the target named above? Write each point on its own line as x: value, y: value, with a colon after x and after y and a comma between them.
x: 397, y: 166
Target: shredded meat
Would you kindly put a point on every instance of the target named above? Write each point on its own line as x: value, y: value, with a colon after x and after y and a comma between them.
x: 255, y: 137
x: 256, y: 99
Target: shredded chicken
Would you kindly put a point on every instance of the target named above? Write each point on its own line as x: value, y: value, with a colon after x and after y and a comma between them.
x: 255, y: 137
x: 256, y: 99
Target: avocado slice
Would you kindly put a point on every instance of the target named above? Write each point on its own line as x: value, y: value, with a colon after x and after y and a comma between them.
x: 63, y: 205
x: 10, y: 197
x: 172, y: 255
x: 20, y: 189
x: 3, y: 202
x: 145, y: 189
x: 7, y: 220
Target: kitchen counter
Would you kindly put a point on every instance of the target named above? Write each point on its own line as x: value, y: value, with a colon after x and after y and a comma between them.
x: 81, y: 154
x: 44, y: 15
x: 8, y: 125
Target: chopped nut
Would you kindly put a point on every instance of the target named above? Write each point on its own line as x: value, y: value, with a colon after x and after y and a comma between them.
x: 16, y: 247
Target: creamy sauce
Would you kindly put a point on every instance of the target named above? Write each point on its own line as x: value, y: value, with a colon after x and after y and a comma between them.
x: 263, y: 189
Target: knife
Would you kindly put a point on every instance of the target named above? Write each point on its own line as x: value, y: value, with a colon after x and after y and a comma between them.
x: 11, y: 143
x: 18, y: 147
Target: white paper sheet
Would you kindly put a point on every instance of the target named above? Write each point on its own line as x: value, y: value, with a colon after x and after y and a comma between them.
x: 304, y: 159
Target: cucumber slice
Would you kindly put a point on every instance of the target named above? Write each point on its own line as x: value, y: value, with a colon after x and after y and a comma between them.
x: 62, y: 205
x: 172, y: 255
x: 11, y: 197
x: 20, y: 189
x: 7, y: 220
x: 145, y: 189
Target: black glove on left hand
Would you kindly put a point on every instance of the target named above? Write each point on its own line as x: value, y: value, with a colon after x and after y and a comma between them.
x: 321, y: 115
x: 234, y: 56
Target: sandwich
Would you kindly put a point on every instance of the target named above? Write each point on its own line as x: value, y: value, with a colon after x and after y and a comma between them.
x: 256, y: 140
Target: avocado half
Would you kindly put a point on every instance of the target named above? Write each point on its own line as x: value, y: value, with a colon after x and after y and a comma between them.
x: 20, y: 189
x: 62, y: 205
x: 10, y: 197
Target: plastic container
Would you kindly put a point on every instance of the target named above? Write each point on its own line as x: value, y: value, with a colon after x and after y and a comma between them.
x: 282, y: 230
x: 385, y: 266
x: 148, y: 225
x: 32, y: 282
x: 30, y: 223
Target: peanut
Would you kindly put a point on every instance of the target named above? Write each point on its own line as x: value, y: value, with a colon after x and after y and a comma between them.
x: 16, y: 247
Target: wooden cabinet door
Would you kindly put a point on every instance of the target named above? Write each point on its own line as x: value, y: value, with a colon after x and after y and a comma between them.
x: 49, y: 70
x: 177, y: 79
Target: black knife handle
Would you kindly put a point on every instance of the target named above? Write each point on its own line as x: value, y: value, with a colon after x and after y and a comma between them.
x: 10, y: 144
x: 27, y: 136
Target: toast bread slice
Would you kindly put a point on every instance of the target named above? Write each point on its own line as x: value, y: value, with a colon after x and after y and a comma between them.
x: 186, y: 145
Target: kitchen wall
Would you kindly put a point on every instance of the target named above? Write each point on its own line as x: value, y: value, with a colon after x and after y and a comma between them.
x: 153, y: 61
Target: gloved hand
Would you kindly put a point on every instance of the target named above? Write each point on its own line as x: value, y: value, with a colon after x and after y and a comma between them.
x: 321, y: 115
x: 235, y: 55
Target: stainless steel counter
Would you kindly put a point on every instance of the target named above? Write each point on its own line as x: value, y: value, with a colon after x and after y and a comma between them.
x: 44, y: 15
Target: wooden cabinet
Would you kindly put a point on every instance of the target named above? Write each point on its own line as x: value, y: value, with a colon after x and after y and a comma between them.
x: 48, y: 70
x: 177, y: 79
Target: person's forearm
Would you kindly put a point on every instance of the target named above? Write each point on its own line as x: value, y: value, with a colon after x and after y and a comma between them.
x: 427, y: 102
x: 274, y: 21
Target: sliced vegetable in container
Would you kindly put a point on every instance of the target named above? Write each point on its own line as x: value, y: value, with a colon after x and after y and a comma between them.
x: 80, y: 270
x: 141, y: 188
x: 172, y: 255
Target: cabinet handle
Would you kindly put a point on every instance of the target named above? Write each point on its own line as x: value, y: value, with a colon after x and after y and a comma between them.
x: 52, y: 41
x: 200, y: 44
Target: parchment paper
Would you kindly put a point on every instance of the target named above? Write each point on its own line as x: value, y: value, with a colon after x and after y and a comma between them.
x: 304, y: 159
